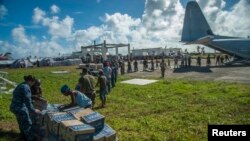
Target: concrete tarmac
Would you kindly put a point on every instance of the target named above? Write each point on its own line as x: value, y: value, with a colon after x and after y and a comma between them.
x: 239, y: 73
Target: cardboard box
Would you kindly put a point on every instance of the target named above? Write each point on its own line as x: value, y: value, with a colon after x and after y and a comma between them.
x: 94, y: 119
x: 71, y: 109
x: 79, y: 113
x: 40, y: 103
x: 51, y: 137
x: 75, y: 130
x: 99, y: 137
x: 99, y: 66
x: 53, y: 107
x: 41, y: 118
x: 106, y: 134
x: 54, y: 119
x: 110, y: 134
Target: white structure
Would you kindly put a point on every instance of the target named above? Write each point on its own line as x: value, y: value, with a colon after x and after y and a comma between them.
x: 101, y: 49
x: 148, y: 51
x: 156, y: 51
x: 172, y: 51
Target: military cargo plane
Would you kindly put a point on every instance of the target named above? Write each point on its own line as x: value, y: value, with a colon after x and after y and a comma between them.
x: 196, y: 30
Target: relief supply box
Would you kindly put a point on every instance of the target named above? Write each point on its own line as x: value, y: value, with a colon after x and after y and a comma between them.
x: 75, y: 130
x: 79, y: 113
x: 54, y: 119
x: 94, y: 119
x: 106, y: 134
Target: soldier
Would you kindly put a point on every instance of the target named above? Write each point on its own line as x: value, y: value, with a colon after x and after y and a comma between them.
x: 21, y: 106
x: 163, y: 66
x: 129, y: 70
x: 189, y: 61
x: 217, y: 60
x: 185, y: 60
x: 168, y: 62
x: 122, y: 67
x: 152, y: 65
x: 227, y: 58
x: 175, y: 62
x: 87, y: 85
x: 182, y: 61
x: 116, y: 65
x: 108, y: 72
x: 208, y: 60
x: 113, y: 74
x: 102, y: 81
x: 199, y: 61
x: 144, y: 64
x: 157, y: 64
x: 222, y: 60
x: 135, y: 65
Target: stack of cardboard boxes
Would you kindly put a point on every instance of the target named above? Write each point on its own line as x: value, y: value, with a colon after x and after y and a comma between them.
x: 77, y: 124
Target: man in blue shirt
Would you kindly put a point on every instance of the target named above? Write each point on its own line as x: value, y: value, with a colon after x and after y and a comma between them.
x: 77, y: 98
x: 107, y: 72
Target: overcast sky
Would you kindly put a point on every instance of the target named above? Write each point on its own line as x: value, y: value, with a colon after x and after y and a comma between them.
x: 49, y: 27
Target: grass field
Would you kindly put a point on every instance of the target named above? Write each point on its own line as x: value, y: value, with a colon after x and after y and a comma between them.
x: 166, y: 110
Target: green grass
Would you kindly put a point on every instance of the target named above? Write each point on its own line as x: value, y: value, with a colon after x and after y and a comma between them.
x: 166, y: 110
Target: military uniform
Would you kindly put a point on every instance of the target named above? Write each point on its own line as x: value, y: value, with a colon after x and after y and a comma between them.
x: 21, y: 106
x: 122, y: 68
x: 102, y: 80
x: 163, y: 66
x: 87, y: 83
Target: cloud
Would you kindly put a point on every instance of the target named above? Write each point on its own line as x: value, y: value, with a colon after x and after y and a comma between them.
x: 163, y: 18
x: 159, y: 26
x: 38, y: 15
x: 54, y: 9
x: 233, y: 22
x: 3, y: 11
x: 57, y: 28
x: 19, y: 35
x: 85, y: 37
x: 25, y: 45
x: 121, y: 24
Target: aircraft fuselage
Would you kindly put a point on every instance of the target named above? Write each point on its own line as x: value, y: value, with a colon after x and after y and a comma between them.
x: 236, y: 47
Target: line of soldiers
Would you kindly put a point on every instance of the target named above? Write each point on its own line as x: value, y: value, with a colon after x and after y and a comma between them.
x: 187, y: 60
x: 220, y: 59
x: 146, y: 67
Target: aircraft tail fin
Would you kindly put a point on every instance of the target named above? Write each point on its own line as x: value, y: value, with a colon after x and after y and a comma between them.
x: 195, y: 25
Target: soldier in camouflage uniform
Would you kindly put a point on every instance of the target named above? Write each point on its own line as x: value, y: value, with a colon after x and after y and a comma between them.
x: 87, y: 85
x: 21, y: 106
x: 102, y: 81
x: 163, y: 66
